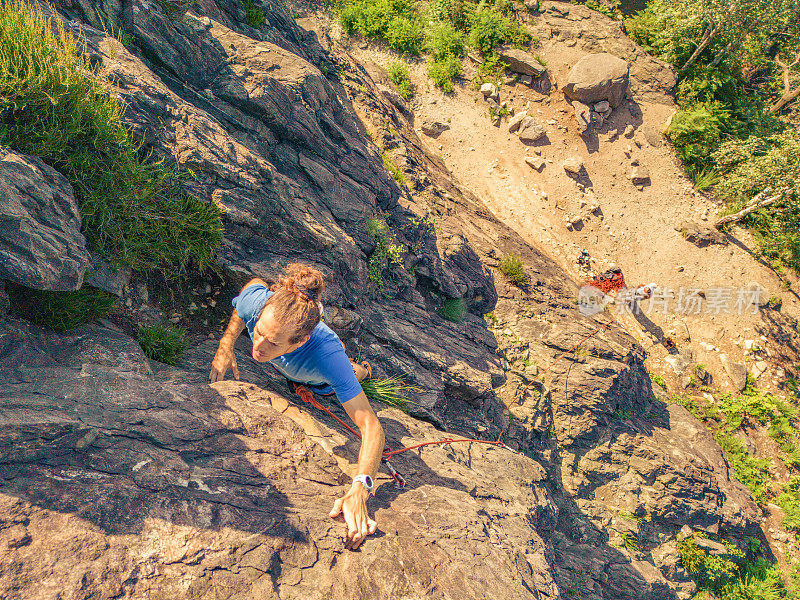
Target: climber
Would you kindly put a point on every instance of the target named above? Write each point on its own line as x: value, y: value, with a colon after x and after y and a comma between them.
x: 285, y: 325
x: 584, y: 260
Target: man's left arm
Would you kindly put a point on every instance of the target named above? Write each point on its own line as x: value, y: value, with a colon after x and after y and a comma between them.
x: 353, y: 505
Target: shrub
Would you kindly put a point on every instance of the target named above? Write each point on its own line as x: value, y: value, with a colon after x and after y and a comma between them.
x: 404, y: 35
x: 512, y: 267
x: 66, y: 310
x: 443, y: 71
x: 489, y: 29
x: 162, y: 342
x: 695, y: 130
x: 387, y: 250
x: 456, y: 12
x: 398, y: 72
x: 443, y: 39
x: 254, y: 14
x: 746, y: 577
x: 51, y: 106
x: 752, y: 165
x: 453, y: 309
x: 395, y: 21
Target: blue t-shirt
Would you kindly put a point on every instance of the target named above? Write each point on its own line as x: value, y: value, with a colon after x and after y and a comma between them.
x: 320, y: 362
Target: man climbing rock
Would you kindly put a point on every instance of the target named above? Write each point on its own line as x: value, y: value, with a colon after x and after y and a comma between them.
x: 285, y: 325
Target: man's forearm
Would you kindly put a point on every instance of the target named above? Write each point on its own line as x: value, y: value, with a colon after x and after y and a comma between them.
x: 369, y: 455
x: 235, y: 327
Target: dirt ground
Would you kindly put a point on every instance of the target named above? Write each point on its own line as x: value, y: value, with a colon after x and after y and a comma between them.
x: 632, y: 229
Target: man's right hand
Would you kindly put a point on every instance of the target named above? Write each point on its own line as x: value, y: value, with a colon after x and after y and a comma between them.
x: 224, y: 359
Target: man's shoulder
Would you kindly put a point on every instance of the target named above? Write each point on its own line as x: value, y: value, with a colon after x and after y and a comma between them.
x: 324, y: 335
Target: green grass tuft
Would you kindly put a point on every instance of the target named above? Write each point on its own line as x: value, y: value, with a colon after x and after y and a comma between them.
x: 394, y: 169
x: 162, y: 342
x: 66, y: 310
x: 658, y: 380
x: 453, y: 309
x: 53, y: 106
x: 512, y: 267
x: 391, y: 390
x: 705, y: 178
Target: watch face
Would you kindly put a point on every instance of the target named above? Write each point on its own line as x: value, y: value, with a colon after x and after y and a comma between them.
x: 368, y: 479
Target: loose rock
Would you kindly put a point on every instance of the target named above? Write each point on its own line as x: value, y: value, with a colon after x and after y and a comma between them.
x: 489, y: 90
x: 573, y: 164
x: 530, y: 130
x: 520, y: 61
x: 701, y: 235
x: 537, y: 162
x: 583, y: 115
x: 433, y: 128
x: 736, y: 371
x: 515, y: 121
x: 640, y: 175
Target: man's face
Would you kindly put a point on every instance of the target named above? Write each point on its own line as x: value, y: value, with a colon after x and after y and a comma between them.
x: 270, y: 339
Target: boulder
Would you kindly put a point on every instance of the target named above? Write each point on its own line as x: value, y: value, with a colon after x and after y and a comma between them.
x: 515, y: 121
x: 433, y: 128
x: 530, y: 130
x: 598, y: 77
x: 573, y: 164
x: 41, y: 245
x: 520, y: 61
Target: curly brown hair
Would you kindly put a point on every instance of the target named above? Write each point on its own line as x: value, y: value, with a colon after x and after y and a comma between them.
x: 297, y: 299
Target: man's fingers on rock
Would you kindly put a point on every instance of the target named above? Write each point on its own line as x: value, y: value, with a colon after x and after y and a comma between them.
x: 373, y: 526
x: 337, y: 507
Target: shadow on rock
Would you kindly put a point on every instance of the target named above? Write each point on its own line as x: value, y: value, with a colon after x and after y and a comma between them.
x: 86, y: 430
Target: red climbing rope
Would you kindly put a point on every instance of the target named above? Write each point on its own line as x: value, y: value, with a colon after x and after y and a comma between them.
x: 307, y: 396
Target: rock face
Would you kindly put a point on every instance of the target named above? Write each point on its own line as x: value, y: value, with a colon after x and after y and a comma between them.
x: 223, y: 489
x: 520, y: 61
x: 41, y: 245
x: 598, y: 77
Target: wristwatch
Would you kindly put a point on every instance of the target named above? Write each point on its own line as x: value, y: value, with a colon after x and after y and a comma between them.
x: 364, y: 480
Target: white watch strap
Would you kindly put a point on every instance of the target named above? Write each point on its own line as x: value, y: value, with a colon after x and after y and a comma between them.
x: 366, y: 481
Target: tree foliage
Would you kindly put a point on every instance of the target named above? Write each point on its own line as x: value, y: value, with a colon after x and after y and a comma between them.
x: 738, y: 63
